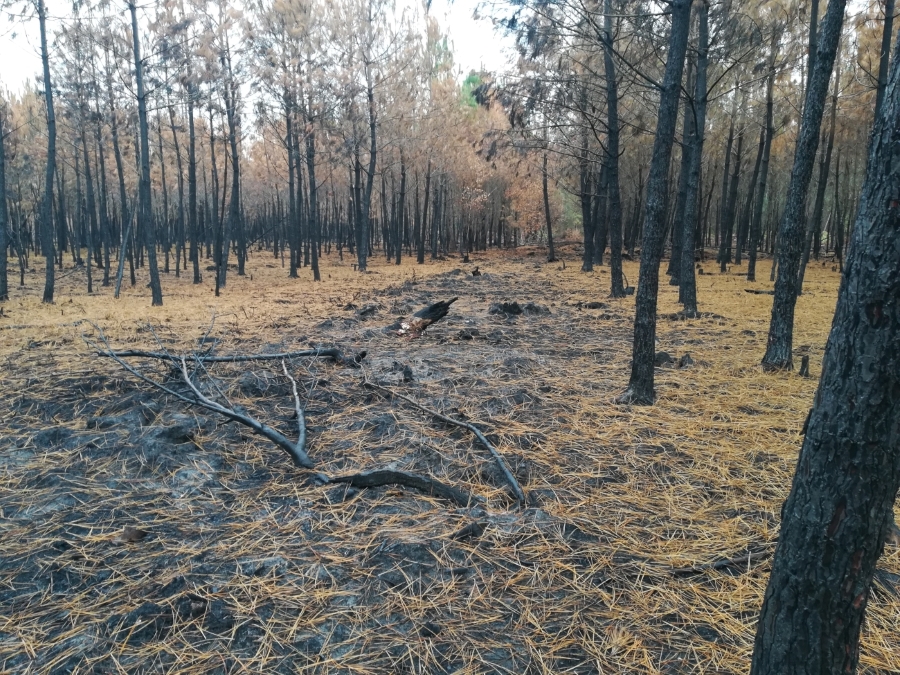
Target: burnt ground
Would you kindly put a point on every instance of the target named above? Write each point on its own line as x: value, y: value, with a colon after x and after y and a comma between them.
x: 248, y: 565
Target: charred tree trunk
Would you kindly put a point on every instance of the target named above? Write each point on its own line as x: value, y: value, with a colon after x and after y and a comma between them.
x: 841, y: 502
x: 781, y: 329
x: 551, y: 254
x: 146, y: 221
x: 687, y: 133
x: 47, y: 203
x: 4, y: 219
x: 760, y: 194
x: 688, y: 287
x: 614, y: 196
x: 640, y: 387
x: 814, y: 226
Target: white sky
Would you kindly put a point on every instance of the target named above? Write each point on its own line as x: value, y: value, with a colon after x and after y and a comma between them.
x: 475, y: 43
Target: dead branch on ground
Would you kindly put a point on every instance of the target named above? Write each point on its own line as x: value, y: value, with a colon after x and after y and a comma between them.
x: 501, y: 463
x: 296, y: 451
x: 332, y: 353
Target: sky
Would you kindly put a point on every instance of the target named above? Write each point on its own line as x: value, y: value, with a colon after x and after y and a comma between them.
x: 475, y: 44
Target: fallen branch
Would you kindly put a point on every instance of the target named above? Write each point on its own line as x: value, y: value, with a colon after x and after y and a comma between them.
x: 380, y: 477
x: 758, y: 291
x: 740, y: 560
x: 510, y: 479
x: 332, y: 353
x: 297, y: 451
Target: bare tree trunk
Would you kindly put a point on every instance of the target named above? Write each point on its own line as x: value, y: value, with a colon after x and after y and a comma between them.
x: 614, y: 196
x: 885, y: 57
x: 688, y: 286
x: 420, y: 252
x: 687, y: 132
x: 814, y: 226
x: 47, y: 204
x: 640, y: 387
x: 313, y: 200
x: 760, y: 194
x: 146, y: 222
x: 551, y: 254
x: 4, y: 214
x: 840, y: 508
x: 781, y: 329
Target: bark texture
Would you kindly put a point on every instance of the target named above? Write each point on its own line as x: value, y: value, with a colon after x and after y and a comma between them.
x: 640, y: 386
x: 792, y: 230
x: 840, y: 506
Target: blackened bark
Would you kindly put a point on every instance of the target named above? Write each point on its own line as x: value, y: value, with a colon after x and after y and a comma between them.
x: 640, y: 386
x: 313, y: 201
x: 551, y: 254
x: 781, y: 328
x: 814, y: 226
x: 598, y: 214
x: 4, y: 240
x: 146, y: 221
x: 91, y: 206
x: 401, y: 210
x: 192, y: 187
x: 760, y: 195
x: 614, y: 215
x: 688, y: 286
x: 731, y: 206
x: 179, y: 233
x: 885, y: 56
x: 47, y: 203
x: 235, y: 222
x: 687, y: 133
x: 841, y: 502
x: 420, y: 251
x: 747, y: 211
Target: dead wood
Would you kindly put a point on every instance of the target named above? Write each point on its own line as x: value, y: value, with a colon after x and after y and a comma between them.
x: 501, y: 463
x: 332, y: 353
x: 758, y: 291
x: 431, y: 486
x: 296, y: 451
x: 737, y: 561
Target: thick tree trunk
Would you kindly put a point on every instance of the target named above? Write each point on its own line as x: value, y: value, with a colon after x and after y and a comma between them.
x: 47, y: 203
x: 235, y: 222
x: 640, y: 387
x: 179, y: 234
x: 841, y: 502
x: 781, y: 329
x: 614, y: 196
x: 688, y: 285
x: 146, y: 221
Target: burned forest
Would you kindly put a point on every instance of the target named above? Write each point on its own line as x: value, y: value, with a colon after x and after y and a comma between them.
x: 449, y: 337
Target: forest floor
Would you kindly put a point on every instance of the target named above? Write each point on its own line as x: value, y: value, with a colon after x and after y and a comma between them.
x: 250, y: 566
